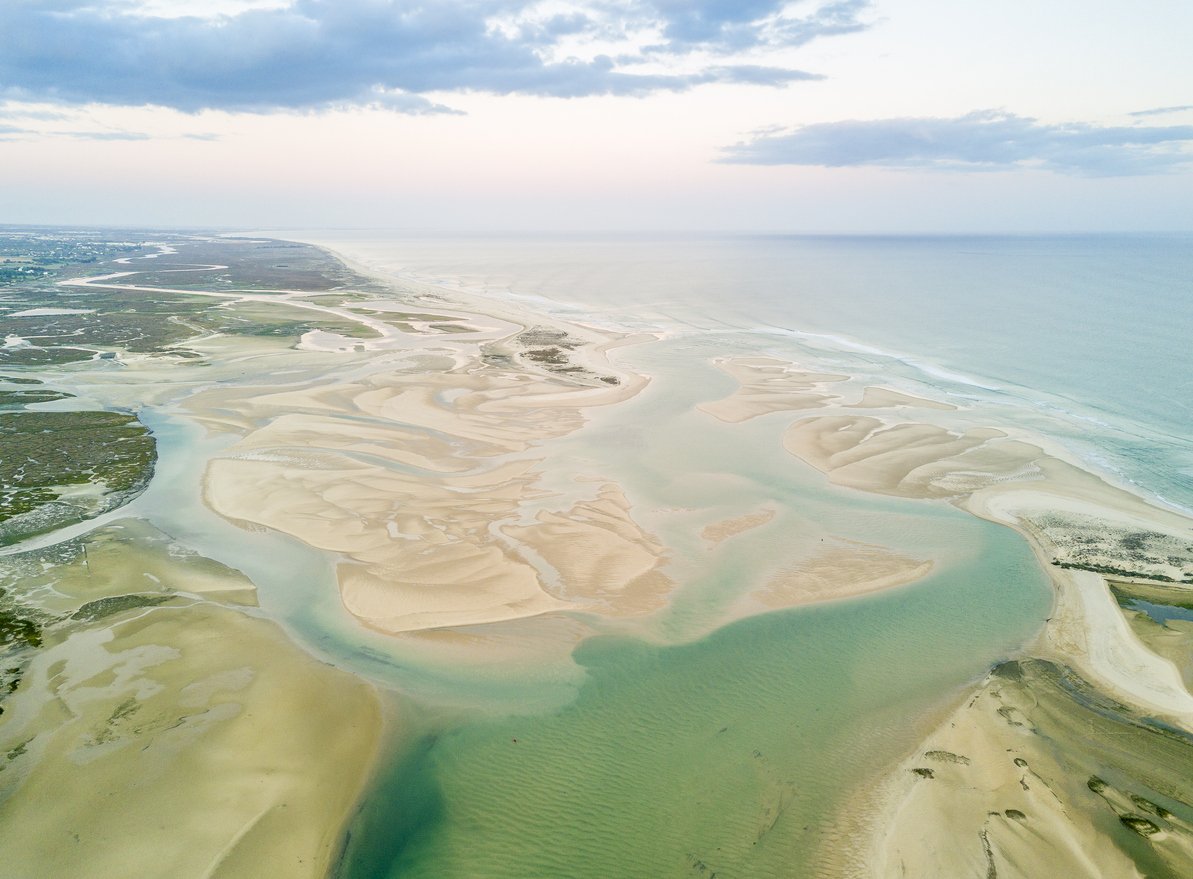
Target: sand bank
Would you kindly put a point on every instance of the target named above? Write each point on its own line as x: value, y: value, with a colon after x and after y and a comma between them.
x: 767, y: 384
x: 966, y: 804
x: 842, y: 569
x: 885, y: 398
x: 716, y: 532
x: 907, y: 459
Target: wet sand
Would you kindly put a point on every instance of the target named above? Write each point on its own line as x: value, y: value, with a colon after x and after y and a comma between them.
x: 207, y: 742
x: 767, y: 384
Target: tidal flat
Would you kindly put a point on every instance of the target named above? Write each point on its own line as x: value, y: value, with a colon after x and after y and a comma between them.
x: 534, y: 595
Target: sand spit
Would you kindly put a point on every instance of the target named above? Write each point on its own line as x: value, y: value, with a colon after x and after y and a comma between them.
x: 767, y: 384
x: 208, y: 743
x: 1072, y: 518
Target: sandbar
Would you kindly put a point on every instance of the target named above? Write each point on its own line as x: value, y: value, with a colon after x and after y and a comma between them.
x: 767, y: 384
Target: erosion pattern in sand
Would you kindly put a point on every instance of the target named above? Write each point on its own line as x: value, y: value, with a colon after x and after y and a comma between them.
x: 423, y: 475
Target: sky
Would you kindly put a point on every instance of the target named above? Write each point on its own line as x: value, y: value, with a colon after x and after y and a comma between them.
x: 613, y: 115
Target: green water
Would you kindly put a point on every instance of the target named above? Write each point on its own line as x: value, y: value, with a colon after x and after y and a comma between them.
x: 733, y: 753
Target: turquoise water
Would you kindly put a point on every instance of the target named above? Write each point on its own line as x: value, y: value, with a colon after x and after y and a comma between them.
x: 735, y: 751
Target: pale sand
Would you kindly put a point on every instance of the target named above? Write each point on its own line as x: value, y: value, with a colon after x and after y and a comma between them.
x: 403, y: 468
x: 885, y: 398
x: 717, y: 532
x: 845, y: 569
x: 908, y: 459
x: 406, y: 475
x: 765, y: 385
x: 600, y: 554
x: 195, y: 712
x: 982, y: 813
x: 1089, y: 630
x: 1172, y: 639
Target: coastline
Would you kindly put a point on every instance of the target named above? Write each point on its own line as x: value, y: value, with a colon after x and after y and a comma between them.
x: 993, y: 476
x: 420, y: 458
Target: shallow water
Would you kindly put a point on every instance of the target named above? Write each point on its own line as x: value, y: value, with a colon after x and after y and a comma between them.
x: 735, y: 750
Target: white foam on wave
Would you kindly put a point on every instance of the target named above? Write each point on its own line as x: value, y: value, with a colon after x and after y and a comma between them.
x: 843, y: 343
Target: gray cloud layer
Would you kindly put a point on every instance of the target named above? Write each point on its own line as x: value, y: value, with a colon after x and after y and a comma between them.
x: 984, y: 140
x: 319, y: 53
x: 1160, y: 111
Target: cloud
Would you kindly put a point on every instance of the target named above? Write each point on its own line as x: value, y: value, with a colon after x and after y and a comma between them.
x: 984, y: 140
x: 103, y: 135
x: 1159, y: 111
x: 746, y: 24
x: 312, y: 54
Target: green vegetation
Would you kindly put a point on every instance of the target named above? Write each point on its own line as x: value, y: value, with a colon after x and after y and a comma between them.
x: 20, y: 633
x: 1086, y: 543
x: 1170, y: 596
x: 156, y: 321
x: 251, y: 265
x: 23, y: 398
x: 106, y: 607
x: 17, y: 629
x: 45, y: 452
x: 33, y: 255
x: 1113, y: 571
